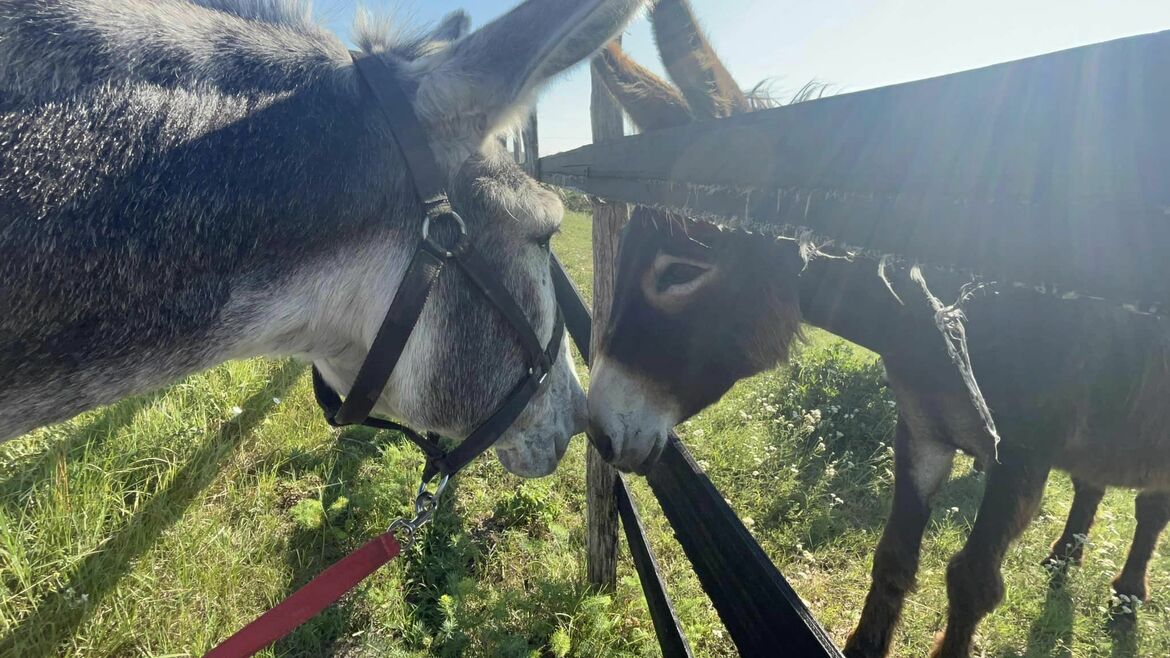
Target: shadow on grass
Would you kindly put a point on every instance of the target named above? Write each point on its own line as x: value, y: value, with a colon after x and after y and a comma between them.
x: 16, y: 487
x: 1051, y: 633
x: 861, y: 511
x: 311, y: 551
x: 58, y: 617
x: 1122, y: 629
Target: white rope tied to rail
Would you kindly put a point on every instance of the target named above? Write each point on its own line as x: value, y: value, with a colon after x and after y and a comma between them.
x: 949, y: 320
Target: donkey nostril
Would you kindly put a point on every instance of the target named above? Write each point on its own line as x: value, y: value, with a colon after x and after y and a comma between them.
x: 600, y: 441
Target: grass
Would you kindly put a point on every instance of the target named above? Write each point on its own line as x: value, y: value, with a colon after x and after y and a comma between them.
x: 161, y: 524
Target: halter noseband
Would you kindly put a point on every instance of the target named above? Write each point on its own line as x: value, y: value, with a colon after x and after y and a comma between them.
x: 430, y: 258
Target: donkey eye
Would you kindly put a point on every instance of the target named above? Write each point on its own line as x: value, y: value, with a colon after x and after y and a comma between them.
x: 545, y: 241
x: 677, y: 274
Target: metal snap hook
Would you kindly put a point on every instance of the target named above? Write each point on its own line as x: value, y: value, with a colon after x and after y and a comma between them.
x: 426, y: 503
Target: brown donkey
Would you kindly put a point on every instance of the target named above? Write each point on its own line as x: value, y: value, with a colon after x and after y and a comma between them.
x: 1077, y: 386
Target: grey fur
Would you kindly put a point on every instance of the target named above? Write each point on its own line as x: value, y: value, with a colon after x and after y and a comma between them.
x: 183, y: 183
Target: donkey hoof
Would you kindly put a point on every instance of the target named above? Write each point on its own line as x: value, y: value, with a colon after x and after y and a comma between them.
x: 1126, y: 591
x: 1126, y: 601
x: 863, y: 647
x: 941, y: 648
x: 1060, y: 559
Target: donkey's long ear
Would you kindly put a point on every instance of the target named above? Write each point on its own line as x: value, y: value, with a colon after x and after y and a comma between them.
x: 453, y: 27
x: 692, y: 63
x: 488, y: 78
x: 650, y: 101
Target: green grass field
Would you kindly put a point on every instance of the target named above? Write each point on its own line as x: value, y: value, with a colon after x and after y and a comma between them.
x: 159, y: 525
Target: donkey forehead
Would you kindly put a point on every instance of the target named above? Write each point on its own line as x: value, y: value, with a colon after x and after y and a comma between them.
x: 499, y: 189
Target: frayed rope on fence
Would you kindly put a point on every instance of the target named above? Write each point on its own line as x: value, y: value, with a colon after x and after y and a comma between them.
x: 949, y: 320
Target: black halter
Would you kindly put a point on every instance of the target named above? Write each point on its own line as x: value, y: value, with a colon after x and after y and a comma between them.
x: 429, y: 260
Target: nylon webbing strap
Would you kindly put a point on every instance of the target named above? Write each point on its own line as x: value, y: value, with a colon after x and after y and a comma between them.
x: 480, y: 273
x: 330, y: 403
x: 310, y: 599
x: 763, y: 614
x: 376, y: 76
x: 391, y: 339
x: 577, y: 319
x: 486, y: 434
x: 667, y: 627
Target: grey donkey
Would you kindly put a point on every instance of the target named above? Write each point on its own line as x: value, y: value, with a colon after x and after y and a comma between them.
x: 188, y: 182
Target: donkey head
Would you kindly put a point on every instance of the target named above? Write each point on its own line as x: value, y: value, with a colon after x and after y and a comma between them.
x: 466, y: 358
x: 695, y: 307
x: 274, y: 214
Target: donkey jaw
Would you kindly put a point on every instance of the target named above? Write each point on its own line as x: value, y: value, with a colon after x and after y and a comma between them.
x: 629, y: 418
x: 535, y: 444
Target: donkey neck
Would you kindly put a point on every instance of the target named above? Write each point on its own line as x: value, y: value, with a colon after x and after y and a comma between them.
x: 848, y: 298
x: 186, y: 247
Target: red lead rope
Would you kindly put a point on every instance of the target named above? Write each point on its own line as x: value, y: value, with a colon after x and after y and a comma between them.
x: 309, y: 600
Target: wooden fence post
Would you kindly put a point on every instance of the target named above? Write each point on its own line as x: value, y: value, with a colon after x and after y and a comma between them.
x: 608, y: 221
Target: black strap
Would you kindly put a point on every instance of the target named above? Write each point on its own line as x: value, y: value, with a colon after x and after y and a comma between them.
x: 763, y: 615
x: 671, y: 638
x: 577, y: 319
x: 481, y: 274
x: 330, y: 403
x: 489, y: 430
x: 380, y: 83
x: 391, y: 338
x: 426, y: 265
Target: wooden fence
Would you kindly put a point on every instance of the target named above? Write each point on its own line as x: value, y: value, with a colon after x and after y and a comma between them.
x: 1052, y: 170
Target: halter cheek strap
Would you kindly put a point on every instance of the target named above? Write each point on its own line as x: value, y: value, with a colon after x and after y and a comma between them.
x: 430, y: 259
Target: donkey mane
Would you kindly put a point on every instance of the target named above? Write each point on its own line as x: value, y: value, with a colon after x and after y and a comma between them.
x: 293, y: 14
x: 51, y: 50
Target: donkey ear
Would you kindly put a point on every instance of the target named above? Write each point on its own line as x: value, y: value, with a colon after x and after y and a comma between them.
x: 650, y: 101
x: 487, y: 79
x: 692, y: 63
x: 453, y: 27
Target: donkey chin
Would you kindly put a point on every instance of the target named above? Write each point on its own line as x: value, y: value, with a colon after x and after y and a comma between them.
x: 537, y: 441
x: 629, y: 418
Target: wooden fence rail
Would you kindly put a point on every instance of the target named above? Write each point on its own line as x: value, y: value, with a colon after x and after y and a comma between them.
x: 1053, y: 169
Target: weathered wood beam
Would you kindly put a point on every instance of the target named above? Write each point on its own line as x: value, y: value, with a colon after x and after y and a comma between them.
x: 1048, y: 170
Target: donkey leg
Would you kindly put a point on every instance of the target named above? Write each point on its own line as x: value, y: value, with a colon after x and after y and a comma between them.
x: 1070, y: 548
x: 920, y: 467
x: 1152, y: 510
x: 974, y: 576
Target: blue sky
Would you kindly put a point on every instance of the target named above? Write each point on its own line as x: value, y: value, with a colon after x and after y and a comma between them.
x: 851, y: 44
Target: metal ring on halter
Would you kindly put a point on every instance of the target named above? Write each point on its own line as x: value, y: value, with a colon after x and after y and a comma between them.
x: 426, y: 231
